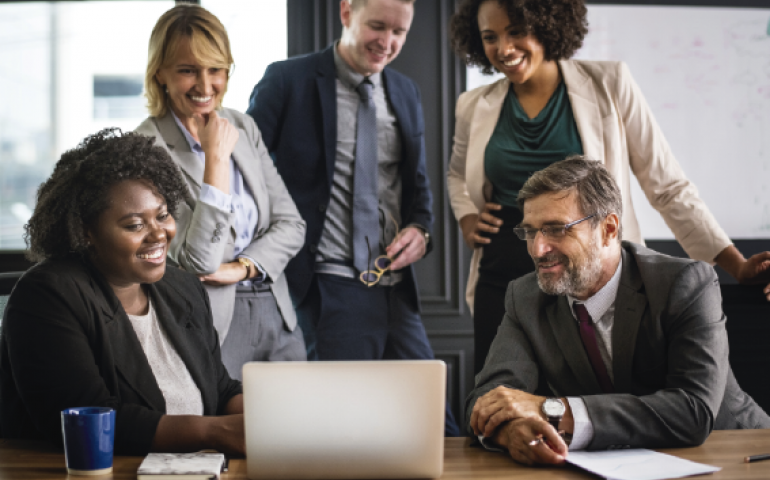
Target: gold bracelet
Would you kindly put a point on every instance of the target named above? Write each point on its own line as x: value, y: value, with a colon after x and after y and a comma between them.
x: 246, y: 263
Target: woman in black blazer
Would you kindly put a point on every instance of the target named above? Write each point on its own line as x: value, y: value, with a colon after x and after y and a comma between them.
x: 101, y: 321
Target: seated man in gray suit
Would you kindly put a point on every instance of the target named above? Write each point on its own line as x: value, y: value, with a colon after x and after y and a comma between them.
x: 607, y: 344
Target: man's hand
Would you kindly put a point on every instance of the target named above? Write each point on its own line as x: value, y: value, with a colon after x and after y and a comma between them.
x: 532, y: 441
x: 226, y: 274
x: 410, y: 242
x: 501, y: 405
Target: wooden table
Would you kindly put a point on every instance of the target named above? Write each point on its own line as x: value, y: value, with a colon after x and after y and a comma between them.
x: 726, y: 449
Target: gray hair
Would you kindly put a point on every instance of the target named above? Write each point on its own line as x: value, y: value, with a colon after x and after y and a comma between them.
x: 598, y: 193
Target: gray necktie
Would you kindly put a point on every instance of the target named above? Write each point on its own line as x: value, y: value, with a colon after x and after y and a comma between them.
x: 366, y: 217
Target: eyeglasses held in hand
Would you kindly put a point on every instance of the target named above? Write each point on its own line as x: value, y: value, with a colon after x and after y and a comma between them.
x: 382, y: 263
x: 548, y: 231
x: 372, y: 277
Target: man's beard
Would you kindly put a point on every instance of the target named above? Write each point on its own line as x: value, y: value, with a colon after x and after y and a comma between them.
x: 575, y: 279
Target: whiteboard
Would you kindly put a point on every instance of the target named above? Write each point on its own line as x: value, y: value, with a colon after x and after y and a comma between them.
x: 706, y: 74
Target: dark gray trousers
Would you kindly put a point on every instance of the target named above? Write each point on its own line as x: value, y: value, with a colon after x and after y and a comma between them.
x: 258, y: 332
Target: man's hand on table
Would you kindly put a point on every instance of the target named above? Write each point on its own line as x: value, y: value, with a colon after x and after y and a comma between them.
x: 532, y: 441
x: 501, y: 405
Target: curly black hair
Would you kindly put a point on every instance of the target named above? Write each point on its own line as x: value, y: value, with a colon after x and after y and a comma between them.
x: 559, y: 25
x: 77, y: 193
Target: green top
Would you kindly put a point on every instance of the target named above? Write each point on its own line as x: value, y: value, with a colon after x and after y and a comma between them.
x: 521, y: 146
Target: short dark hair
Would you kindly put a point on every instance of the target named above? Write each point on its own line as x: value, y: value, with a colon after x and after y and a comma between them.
x: 597, y: 191
x: 76, y: 194
x: 559, y: 25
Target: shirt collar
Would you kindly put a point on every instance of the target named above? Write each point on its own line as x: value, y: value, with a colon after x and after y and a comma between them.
x: 349, y: 76
x: 195, y: 146
x: 598, y: 304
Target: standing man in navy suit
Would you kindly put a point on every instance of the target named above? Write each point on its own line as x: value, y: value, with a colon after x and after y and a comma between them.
x: 347, y: 136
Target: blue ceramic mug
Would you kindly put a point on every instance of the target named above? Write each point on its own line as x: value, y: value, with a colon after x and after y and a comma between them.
x: 89, y: 436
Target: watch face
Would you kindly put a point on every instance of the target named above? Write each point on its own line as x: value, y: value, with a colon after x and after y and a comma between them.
x: 553, y: 407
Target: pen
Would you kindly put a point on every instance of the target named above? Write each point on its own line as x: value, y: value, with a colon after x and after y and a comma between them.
x: 757, y: 458
x: 538, y: 440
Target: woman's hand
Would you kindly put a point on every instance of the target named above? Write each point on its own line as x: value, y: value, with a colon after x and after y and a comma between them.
x: 217, y: 137
x: 226, y: 274
x: 472, y: 226
x: 226, y: 434
x: 189, y: 433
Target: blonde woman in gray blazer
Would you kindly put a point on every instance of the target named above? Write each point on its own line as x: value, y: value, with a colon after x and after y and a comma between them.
x: 530, y: 43
x: 238, y: 226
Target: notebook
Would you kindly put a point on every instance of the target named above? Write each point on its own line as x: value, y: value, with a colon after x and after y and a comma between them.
x: 181, y: 466
x: 342, y: 420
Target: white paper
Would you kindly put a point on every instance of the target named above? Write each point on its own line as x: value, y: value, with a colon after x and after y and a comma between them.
x: 637, y: 464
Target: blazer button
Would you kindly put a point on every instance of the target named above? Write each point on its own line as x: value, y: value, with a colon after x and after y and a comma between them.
x: 217, y: 232
x: 313, y: 248
x: 220, y: 225
x: 214, y: 239
x: 322, y: 208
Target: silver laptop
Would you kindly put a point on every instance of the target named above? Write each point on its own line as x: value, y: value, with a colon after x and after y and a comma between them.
x: 339, y: 420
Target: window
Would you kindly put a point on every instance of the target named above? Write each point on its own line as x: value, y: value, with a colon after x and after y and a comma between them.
x: 69, y: 69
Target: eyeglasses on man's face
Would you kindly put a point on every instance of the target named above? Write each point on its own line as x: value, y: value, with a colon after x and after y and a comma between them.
x: 548, y: 231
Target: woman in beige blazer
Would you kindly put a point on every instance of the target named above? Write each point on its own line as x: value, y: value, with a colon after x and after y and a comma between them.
x: 238, y: 226
x: 530, y: 43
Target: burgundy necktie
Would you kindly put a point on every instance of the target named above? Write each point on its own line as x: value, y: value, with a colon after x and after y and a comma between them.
x: 588, y: 335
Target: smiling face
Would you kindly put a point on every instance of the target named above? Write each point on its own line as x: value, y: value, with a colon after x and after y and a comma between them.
x: 373, y: 33
x: 514, y: 52
x: 192, y: 88
x: 581, y: 262
x: 129, y: 242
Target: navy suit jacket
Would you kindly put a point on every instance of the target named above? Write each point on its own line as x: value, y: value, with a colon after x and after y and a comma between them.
x: 295, y: 107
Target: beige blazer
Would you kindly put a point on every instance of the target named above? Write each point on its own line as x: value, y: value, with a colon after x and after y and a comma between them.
x: 205, y: 236
x: 616, y: 127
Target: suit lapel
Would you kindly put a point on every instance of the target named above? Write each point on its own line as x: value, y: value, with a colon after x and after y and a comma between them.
x: 630, y: 306
x: 585, y: 108
x: 173, y: 312
x: 565, y: 330
x: 485, y: 117
x: 327, y: 93
x: 129, y: 356
x: 398, y: 101
x: 187, y: 160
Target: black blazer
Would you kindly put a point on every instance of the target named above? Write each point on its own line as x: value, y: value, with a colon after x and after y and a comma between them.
x: 67, y: 342
x: 295, y: 107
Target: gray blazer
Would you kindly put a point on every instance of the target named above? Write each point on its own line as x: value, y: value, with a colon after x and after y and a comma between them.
x: 199, y: 249
x: 670, y: 356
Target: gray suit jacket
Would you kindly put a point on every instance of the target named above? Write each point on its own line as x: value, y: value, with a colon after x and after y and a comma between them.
x: 199, y: 249
x: 672, y: 377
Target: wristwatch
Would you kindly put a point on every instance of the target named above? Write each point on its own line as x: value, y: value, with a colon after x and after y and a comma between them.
x: 553, y: 409
x: 427, y: 236
x: 246, y: 263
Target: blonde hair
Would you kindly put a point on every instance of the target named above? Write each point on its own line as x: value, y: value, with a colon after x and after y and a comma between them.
x: 208, y: 42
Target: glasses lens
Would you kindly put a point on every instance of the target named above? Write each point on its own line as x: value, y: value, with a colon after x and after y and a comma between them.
x: 554, y: 231
x: 382, y: 263
x: 520, y: 232
x: 368, y: 277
